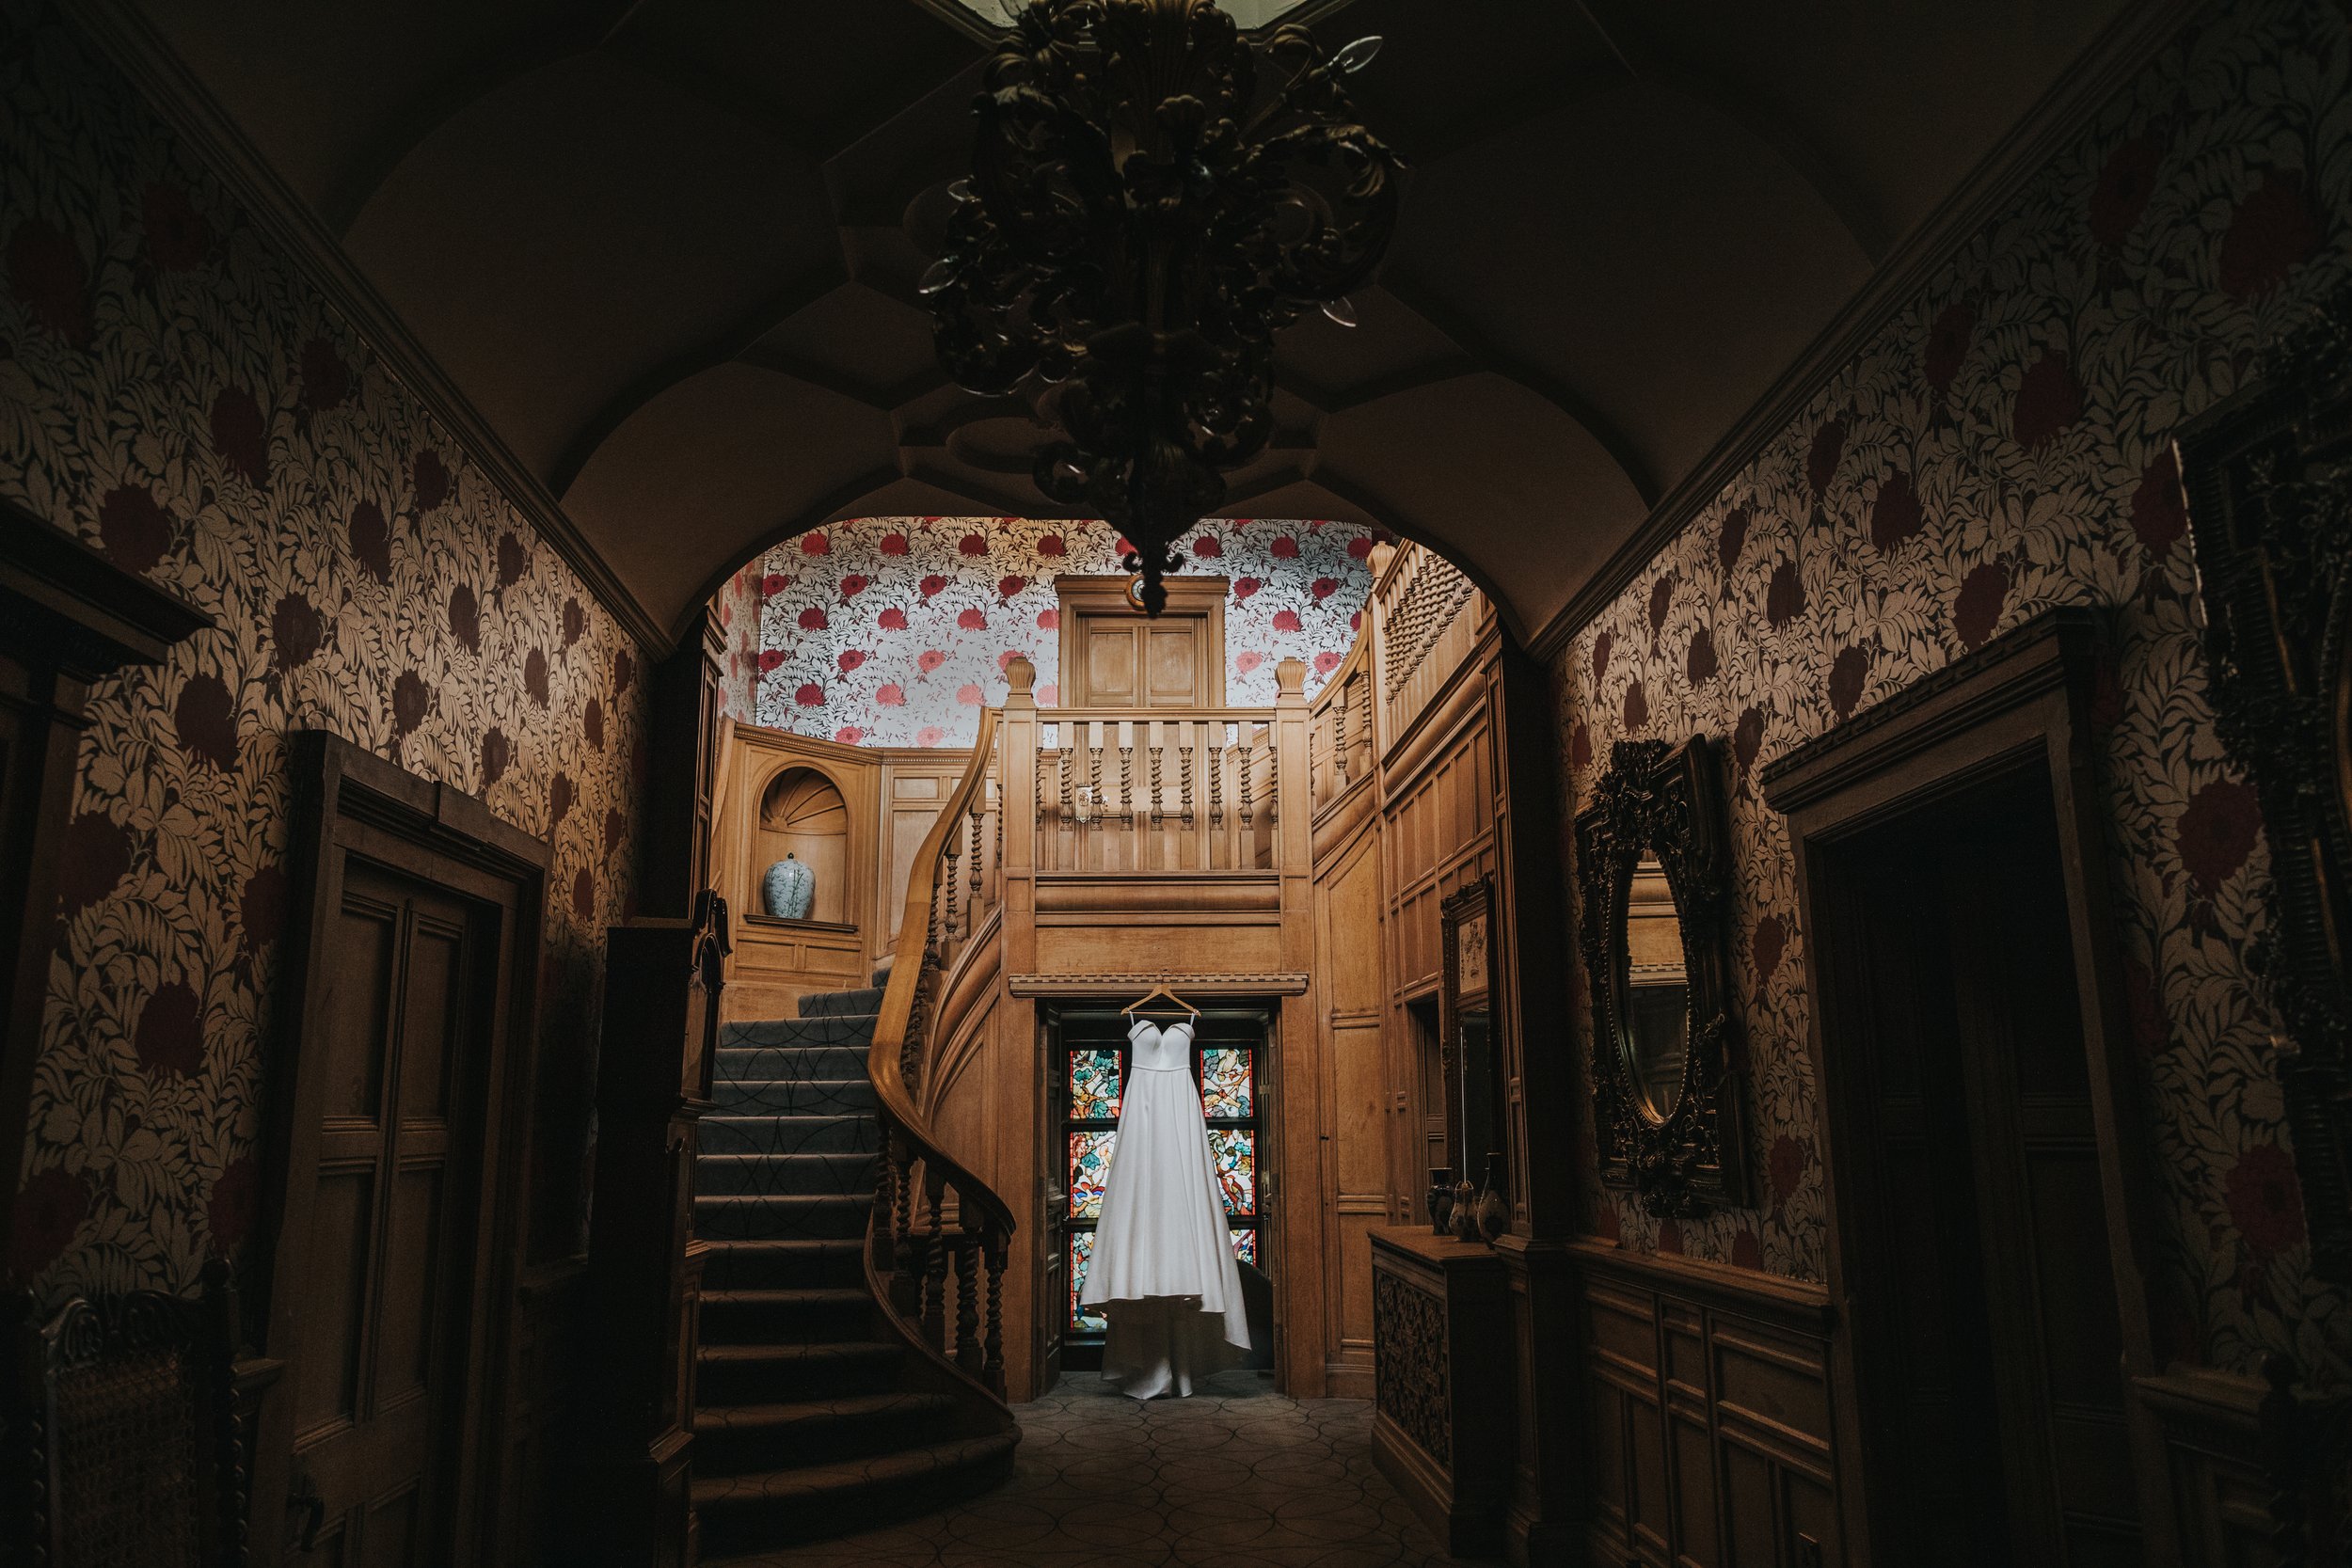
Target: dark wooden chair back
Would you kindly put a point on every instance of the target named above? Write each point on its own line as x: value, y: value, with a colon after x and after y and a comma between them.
x: 122, y: 1446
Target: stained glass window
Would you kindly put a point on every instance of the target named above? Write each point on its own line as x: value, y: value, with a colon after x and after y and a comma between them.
x: 1086, y: 1320
x: 1094, y: 1085
x: 1235, y: 1152
x: 1089, y: 1168
x: 1245, y: 1247
x: 1225, y: 1088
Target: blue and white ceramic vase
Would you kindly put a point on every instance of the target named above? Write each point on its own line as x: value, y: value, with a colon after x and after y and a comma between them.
x: 788, y: 889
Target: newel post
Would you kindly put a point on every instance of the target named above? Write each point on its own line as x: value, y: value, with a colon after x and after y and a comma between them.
x: 1016, y: 785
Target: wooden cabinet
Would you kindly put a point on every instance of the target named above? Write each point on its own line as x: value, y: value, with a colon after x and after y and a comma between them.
x: 1443, y: 1381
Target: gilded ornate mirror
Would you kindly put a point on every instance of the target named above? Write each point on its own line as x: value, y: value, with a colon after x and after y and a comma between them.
x: 1653, y: 874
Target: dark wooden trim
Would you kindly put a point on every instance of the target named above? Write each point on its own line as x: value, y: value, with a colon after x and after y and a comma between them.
x: 2129, y: 44
x: 2018, y: 704
x: 346, y: 800
x: 68, y: 619
x: 101, y: 617
x: 2057, y: 649
x: 127, y: 38
x: 683, y: 745
x: 1799, y: 1306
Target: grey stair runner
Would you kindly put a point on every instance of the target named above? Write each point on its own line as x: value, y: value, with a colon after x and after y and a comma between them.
x: 802, y: 1426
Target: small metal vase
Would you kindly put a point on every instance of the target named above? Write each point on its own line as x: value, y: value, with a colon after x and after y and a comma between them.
x: 1463, y: 1217
x: 1440, y: 1201
x: 1494, y: 1215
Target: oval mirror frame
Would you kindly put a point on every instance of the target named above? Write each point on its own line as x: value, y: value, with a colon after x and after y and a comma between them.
x: 1669, y: 1112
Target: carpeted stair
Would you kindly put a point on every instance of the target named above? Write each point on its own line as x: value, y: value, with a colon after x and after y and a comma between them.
x: 806, y: 1422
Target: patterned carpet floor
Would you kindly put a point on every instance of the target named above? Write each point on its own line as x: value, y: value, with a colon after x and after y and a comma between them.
x: 1238, y: 1477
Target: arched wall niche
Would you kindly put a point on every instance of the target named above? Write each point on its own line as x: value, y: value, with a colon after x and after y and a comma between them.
x: 805, y: 813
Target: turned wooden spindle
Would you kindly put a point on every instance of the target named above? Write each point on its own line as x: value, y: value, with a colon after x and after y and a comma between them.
x: 935, y: 1267
x: 994, y: 1344
x: 968, y: 1292
x: 1094, y: 773
x: 1155, y: 747
x: 972, y: 880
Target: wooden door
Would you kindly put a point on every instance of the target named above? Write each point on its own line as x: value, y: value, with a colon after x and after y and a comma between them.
x: 1125, y: 661
x: 2050, y: 1288
x: 396, y: 1209
x: 1111, y: 657
x: 1984, y: 1295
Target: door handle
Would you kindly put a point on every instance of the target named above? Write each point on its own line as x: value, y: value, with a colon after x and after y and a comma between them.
x: 305, y: 1504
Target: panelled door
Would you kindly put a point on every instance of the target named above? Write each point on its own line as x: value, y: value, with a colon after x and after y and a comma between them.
x: 397, y: 1202
x: 1127, y: 662
x: 1112, y: 656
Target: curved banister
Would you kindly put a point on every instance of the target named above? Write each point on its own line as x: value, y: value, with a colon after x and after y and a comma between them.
x: 909, y: 1244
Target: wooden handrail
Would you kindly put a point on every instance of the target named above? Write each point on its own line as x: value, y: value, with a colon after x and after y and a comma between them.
x: 1144, y: 714
x: 911, y: 1244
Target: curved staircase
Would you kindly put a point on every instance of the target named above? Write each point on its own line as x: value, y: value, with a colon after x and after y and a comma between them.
x: 814, y: 1414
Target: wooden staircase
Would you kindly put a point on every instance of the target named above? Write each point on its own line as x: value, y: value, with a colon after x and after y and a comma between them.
x: 814, y: 1414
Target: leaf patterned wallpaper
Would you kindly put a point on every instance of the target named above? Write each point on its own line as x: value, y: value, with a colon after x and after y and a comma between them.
x: 2001, y: 447
x: 895, y: 631
x: 736, y: 606
x: 175, y: 393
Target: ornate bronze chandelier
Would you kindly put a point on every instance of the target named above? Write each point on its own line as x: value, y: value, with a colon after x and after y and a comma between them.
x: 1152, y: 199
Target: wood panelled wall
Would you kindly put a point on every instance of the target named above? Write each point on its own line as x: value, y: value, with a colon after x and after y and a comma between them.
x: 893, y: 795
x: 1408, y: 796
x: 1709, y: 1397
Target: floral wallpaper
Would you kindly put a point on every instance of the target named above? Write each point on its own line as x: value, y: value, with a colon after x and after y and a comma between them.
x: 2003, y: 446
x: 173, y: 392
x: 895, y: 631
x: 737, y: 606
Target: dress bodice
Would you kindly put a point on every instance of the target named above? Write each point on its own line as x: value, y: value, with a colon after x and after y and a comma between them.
x: 1159, y: 1050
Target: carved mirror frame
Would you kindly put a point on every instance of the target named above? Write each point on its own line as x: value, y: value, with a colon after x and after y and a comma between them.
x: 1666, y: 800
x: 2268, y: 475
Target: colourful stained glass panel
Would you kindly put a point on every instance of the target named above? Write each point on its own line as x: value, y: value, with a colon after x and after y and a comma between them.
x: 1083, y: 1319
x: 1094, y: 1085
x: 1225, y: 1082
x: 1089, y: 1168
x: 1236, y: 1150
x: 1245, y: 1247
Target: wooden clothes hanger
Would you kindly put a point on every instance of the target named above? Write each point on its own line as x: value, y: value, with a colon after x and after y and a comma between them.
x: 1160, y: 990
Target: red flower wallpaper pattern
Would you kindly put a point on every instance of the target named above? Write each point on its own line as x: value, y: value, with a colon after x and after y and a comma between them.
x: 173, y: 391
x: 895, y: 631
x: 737, y: 607
x: 2004, y: 446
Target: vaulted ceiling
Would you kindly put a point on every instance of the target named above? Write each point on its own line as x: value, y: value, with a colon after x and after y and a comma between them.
x: 668, y: 248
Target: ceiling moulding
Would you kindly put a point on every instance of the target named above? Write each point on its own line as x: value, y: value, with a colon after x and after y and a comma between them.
x: 2128, y: 45
x: 131, y: 43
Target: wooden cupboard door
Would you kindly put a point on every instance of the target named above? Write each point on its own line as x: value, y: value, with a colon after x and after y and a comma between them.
x: 1108, y: 675
x: 394, y: 1214
x: 1175, y: 663
x: 1126, y: 661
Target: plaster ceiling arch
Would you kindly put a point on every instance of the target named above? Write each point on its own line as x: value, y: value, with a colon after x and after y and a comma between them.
x: 663, y: 247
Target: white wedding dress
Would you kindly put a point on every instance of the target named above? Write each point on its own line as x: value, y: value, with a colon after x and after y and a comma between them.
x: 1163, y: 1270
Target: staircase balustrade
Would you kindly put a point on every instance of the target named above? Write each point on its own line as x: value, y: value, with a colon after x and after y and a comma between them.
x: 939, y: 1234
x: 1157, y: 790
